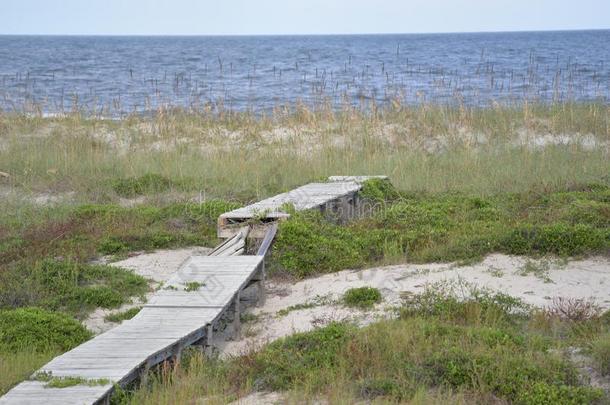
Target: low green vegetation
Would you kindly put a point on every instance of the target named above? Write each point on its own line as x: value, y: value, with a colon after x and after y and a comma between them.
x: 448, y: 227
x: 146, y: 184
x: 38, y: 330
x: 379, y: 190
x: 18, y: 366
x: 65, y: 382
x: 193, y: 286
x: 363, y: 297
x: 69, y: 286
x: 296, y: 307
x: 45, y: 261
x: 248, y: 317
x: 123, y: 315
x: 539, y: 270
x: 45, y: 254
x: 317, y: 301
x: 29, y: 337
x: 441, y: 349
x: 85, y: 231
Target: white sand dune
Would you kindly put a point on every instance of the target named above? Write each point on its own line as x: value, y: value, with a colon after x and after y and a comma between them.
x: 584, y: 278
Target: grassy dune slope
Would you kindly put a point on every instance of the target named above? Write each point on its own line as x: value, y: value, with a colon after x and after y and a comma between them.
x: 526, y: 180
x: 485, y: 349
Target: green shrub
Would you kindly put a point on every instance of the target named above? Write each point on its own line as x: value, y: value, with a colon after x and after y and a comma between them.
x: 39, y: 330
x: 145, y: 240
x: 560, y: 238
x: 481, y: 307
x: 482, y: 346
x: 542, y: 393
x: 93, y: 297
x: 379, y: 190
x: 605, y: 317
x: 207, y: 211
x: 318, y: 300
x: 394, y: 359
x: 363, y: 297
x: 134, y: 186
x: 16, y: 366
x: 306, y: 244
x: 373, y: 388
x: 589, y: 212
x: 112, y: 246
x: 65, y: 382
x: 287, y: 361
x: 157, y: 228
x: 193, y: 286
x: 69, y: 286
x: 81, y: 233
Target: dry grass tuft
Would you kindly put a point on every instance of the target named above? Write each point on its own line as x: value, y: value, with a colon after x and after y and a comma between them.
x: 573, y: 309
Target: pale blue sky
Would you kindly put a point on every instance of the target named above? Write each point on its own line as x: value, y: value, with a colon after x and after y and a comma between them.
x: 190, y: 17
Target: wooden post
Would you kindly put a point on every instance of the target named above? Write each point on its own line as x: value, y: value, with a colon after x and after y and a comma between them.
x: 177, y: 354
x: 144, y: 374
x: 237, y: 316
x: 260, y: 287
x: 209, y: 348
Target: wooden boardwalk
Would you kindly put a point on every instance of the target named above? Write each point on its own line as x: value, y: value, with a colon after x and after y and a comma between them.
x: 188, y: 308
x: 177, y: 316
x: 338, y: 196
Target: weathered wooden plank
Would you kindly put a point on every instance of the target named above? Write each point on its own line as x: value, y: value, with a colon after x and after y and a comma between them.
x: 229, y: 245
x: 266, y: 243
x: 357, y: 179
x: 34, y: 392
x: 305, y: 197
x: 96, y: 360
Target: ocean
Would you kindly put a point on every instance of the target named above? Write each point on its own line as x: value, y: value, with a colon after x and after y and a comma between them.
x: 121, y: 75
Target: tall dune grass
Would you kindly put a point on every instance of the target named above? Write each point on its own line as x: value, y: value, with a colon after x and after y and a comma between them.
x: 18, y: 366
x: 426, y: 148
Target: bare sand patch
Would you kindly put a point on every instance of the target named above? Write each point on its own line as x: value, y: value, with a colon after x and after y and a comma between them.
x: 261, y: 398
x: 538, y: 140
x: 304, y: 305
x: 536, y: 282
x: 48, y: 198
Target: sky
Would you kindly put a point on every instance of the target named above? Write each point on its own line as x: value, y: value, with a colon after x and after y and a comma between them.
x: 260, y: 17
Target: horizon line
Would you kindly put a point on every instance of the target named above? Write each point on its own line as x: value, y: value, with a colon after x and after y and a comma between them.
x: 304, y: 34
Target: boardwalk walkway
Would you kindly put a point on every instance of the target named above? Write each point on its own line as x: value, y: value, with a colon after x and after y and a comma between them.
x: 182, y: 313
x: 337, y: 197
x: 185, y: 311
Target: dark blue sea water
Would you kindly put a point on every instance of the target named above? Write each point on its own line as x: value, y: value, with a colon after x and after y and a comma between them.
x: 113, y: 75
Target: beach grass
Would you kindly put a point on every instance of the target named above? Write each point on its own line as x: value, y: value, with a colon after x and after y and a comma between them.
x: 238, y: 155
x: 482, y: 349
x: 16, y: 366
x: 530, y: 179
